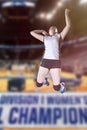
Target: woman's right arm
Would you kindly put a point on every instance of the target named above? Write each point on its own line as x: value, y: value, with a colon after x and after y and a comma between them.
x: 37, y: 34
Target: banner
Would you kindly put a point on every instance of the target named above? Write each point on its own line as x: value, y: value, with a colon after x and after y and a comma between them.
x: 53, y: 110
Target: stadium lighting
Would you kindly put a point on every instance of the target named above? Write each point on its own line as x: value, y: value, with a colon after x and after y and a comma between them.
x: 83, y: 1
x: 7, y: 4
x: 54, y: 11
x: 30, y: 4
x: 42, y: 15
x: 59, y: 4
x: 16, y: 3
x: 49, y: 16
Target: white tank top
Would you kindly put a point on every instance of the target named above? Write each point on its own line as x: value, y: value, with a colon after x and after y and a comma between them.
x: 51, y: 44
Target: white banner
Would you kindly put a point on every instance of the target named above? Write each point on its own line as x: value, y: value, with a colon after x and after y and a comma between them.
x: 53, y: 110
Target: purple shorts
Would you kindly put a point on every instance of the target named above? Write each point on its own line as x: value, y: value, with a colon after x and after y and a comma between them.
x: 49, y: 64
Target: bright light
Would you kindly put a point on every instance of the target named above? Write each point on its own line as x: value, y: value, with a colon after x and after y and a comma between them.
x: 54, y: 11
x: 59, y: 4
x: 11, y: 4
x: 7, y: 4
x: 30, y: 4
x: 49, y: 16
x: 83, y: 1
x: 42, y: 15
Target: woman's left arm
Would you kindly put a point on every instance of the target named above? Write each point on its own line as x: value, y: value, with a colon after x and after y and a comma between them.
x: 68, y: 24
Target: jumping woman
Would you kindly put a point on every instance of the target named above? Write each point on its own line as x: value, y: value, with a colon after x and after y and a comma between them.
x: 51, y: 58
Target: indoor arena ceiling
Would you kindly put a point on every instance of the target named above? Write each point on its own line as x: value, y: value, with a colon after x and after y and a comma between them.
x: 19, y: 17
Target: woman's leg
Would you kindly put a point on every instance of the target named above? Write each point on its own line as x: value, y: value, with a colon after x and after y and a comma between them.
x: 42, y: 73
x: 56, y: 75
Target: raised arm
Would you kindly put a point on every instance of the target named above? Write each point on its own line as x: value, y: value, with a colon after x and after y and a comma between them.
x: 68, y: 24
x: 38, y: 34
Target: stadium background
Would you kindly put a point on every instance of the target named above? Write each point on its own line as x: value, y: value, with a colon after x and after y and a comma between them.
x: 20, y: 53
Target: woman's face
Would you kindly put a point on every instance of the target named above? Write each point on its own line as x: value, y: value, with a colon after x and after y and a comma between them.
x: 53, y: 30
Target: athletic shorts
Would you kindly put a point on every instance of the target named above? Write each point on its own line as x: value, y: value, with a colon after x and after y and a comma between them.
x: 49, y: 64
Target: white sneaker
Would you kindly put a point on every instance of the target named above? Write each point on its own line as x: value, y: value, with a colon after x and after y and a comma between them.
x: 62, y: 89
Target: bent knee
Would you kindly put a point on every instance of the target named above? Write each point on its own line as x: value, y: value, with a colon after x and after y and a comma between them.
x: 38, y: 84
x: 57, y: 87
